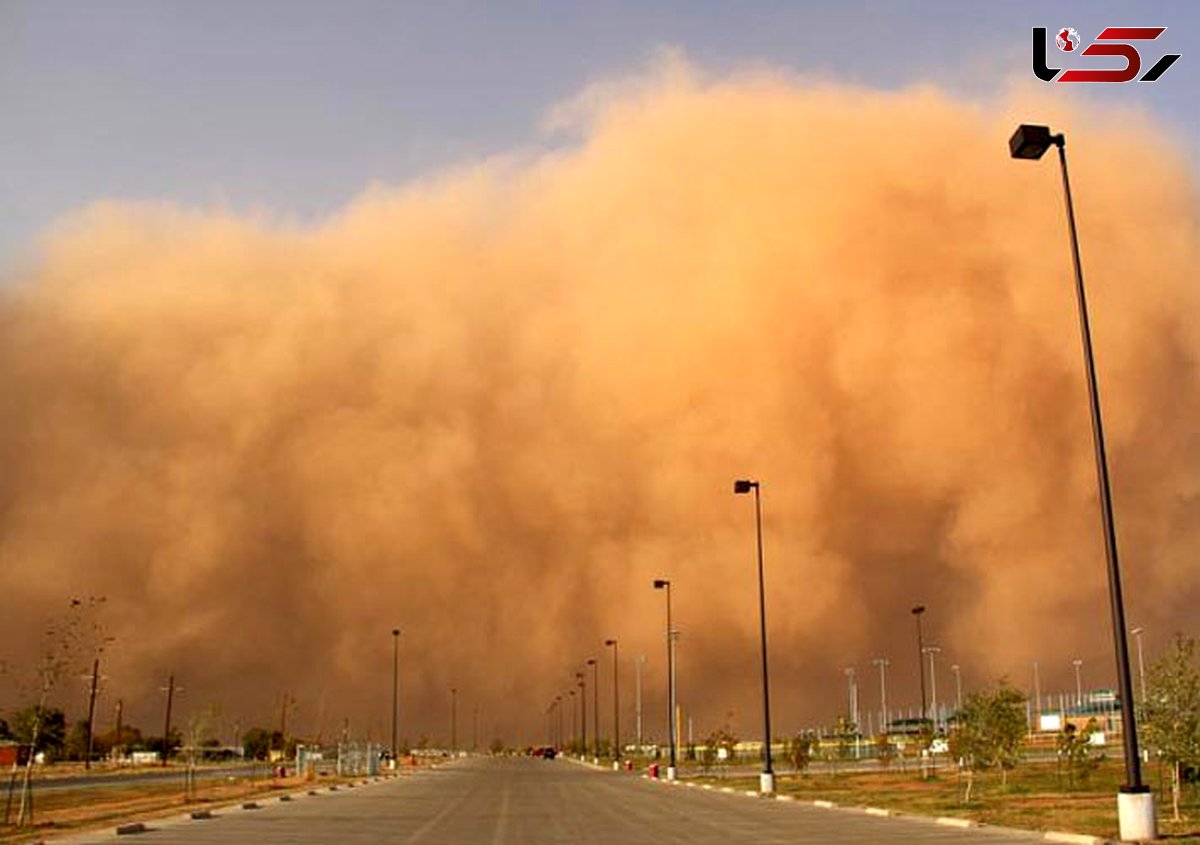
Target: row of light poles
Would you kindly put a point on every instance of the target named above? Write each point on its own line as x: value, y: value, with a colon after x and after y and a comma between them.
x: 1135, y: 803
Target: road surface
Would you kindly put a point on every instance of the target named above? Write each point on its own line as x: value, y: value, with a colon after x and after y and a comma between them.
x: 527, y: 801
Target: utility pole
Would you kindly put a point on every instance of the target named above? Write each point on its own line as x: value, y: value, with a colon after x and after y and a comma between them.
x: 167, y: 725
x: 87, y: 759
x: 119, y: 743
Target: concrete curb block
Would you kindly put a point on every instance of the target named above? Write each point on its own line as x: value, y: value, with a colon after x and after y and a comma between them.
x: 877, y: 811
x: 1075, y: 838
x: 750, y: 793
x: 727, y: 789
x: 134, y: 827
x: 950, y: 821
x: 826, y: 804
x: 785, y: 798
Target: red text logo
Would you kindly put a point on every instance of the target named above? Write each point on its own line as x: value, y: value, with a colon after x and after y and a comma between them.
x: 1113, y: 41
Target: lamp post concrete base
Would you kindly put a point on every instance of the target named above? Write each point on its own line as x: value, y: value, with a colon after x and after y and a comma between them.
x: 671, y: 773
x: 766, y: 783
x: 616, y: 765
x: 1135, y: 815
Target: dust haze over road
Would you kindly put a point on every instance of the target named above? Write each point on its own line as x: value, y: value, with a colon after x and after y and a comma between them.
x: 490, y: 406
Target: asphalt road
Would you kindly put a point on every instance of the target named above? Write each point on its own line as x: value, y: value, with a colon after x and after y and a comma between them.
x: 525, y: 801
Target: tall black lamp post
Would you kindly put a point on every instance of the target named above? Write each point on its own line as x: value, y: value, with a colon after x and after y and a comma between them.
x: 582, y: 679
x: 664, y: 584
x: 1135, y: 802
x: 917, y: 611
x: 395, y: 688
x: 591, y: 661
x: 766, y: 780
x: 616, y: 749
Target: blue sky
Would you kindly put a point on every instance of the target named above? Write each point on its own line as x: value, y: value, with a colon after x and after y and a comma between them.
x: 294, y: 105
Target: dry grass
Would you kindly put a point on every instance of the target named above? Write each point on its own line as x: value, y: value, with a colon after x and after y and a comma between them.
x: 1035, y: 798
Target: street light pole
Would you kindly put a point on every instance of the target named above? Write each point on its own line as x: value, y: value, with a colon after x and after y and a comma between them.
x: 1135, y: 802
x: 395, y: 687
x: 616, y: 706
x: 882, y: 663
x: 1037, y: 691
x: 574, y: 718
x: 582, y: 678
x: 931, y: 650
x: 664, y: 584
x: 917, y: 612
x: 957, y: 685
x: 852, y: 690
x: 1077, y: 663
x: 454, y: 721
x: 1137, y: 633
x: 595, y: 708
x: 766, y: 781
x: 638, y: 664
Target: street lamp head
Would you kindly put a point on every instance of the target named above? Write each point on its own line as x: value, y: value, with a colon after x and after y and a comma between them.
x: 610, y: 642
x: 659, y: 583
x: 395, y: 632
x: 591, y: 661
x: 743, y: 485
x: 1032, y: 141
x: 918, y: 610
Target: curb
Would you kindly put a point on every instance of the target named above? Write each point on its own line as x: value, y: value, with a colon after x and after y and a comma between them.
x: 134, y: 827
x: 1075, y: 838
x: 951, y: 821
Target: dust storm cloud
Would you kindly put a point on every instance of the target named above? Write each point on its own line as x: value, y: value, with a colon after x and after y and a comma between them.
x: 491, y: 406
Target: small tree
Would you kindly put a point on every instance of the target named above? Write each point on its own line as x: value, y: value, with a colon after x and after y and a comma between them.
x: 257, y: 743
x: 1170, y: 715
x: 988, y: 733
x: 799, y: 750
x: 885, y: 749
x: 1075, y: 752
x: 43, y: 729
x: 719, y: 746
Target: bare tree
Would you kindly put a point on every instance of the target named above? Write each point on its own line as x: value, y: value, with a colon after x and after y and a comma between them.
x: 68, y: 640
